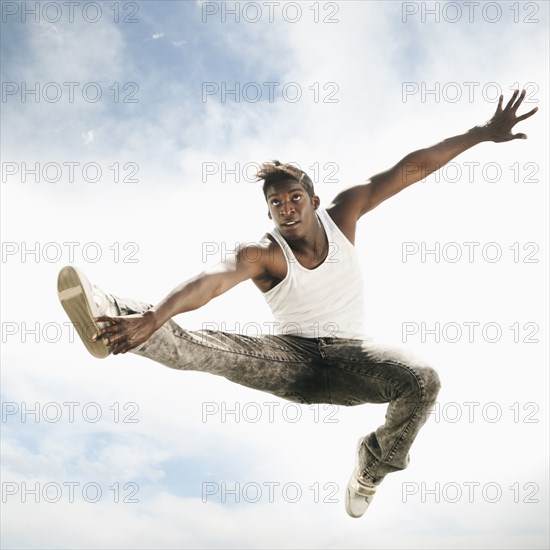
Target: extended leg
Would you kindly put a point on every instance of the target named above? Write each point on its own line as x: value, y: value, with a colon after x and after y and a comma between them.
x: 280, y: 365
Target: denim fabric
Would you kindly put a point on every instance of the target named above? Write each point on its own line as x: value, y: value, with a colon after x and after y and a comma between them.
x: 311, y: 370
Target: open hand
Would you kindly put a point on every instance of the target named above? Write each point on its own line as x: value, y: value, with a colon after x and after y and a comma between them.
x: 499, y: 128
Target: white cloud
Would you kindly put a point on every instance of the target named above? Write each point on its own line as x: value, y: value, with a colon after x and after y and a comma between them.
x: 88, y: 137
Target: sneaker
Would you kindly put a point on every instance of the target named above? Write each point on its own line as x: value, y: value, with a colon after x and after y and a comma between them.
x: 82, y: 302
x: 360, y: 490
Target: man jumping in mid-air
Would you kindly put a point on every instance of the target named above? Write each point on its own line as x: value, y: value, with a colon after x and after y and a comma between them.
x: 308, y: 272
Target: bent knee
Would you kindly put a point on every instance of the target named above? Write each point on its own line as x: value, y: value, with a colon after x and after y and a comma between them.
x: 430, y: 381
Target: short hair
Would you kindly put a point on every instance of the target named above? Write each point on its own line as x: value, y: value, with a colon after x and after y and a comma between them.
x: 274, y: 172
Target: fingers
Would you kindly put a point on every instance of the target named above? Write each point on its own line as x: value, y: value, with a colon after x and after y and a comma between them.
x: 122, y: 347
x: 106, y: 319
x: 511, y: 108
x: 117, y: 343
x: 499, y: 106
x: 119, y: 334
x: 519, y: 136
x: 512, y: 99
x: 527, y: 115
x: 514, y: 106
x: 519, y: 101
x: 110, y: 333
x: 119, y: 348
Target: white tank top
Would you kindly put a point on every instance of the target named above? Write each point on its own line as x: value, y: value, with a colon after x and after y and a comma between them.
x: 320, y: 302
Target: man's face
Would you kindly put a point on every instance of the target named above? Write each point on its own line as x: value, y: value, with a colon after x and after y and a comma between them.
x: 292, y: 209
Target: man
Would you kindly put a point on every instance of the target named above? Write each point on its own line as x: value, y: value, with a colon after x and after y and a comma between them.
x: 308, y: 272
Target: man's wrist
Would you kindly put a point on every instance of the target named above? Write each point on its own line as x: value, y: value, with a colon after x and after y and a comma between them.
x: 154, y: 318
x: 479, y: 134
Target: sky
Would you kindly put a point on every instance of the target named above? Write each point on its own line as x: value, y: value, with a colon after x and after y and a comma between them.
x: 129, y: 136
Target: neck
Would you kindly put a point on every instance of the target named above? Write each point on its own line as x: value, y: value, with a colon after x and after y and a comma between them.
x: 314, y: 244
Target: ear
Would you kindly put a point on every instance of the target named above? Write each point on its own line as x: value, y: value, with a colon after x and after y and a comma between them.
x: 316, y: 201
x: 269, y: 215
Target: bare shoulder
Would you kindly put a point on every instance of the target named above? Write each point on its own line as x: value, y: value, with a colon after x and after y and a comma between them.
x: 264, y: 250
x: 347, y: 208
x: 269, y: 255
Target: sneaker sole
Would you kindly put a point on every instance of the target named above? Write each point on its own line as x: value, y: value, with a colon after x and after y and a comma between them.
x: 75, y: 295
x: 348, y: 488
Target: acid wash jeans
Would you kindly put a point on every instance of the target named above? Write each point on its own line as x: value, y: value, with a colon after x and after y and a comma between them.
x: 331, y: 370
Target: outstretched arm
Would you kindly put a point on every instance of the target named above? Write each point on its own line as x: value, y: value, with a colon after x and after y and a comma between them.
x: 126, y: 332
x: 352, y: 203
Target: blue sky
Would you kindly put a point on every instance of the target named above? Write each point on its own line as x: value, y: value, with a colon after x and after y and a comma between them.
x: 148, y: 231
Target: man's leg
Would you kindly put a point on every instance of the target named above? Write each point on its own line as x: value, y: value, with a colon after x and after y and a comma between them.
x: 281, y: 365
x: 325, y: 370
x: 285, y: 366
x: 366, y: 372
